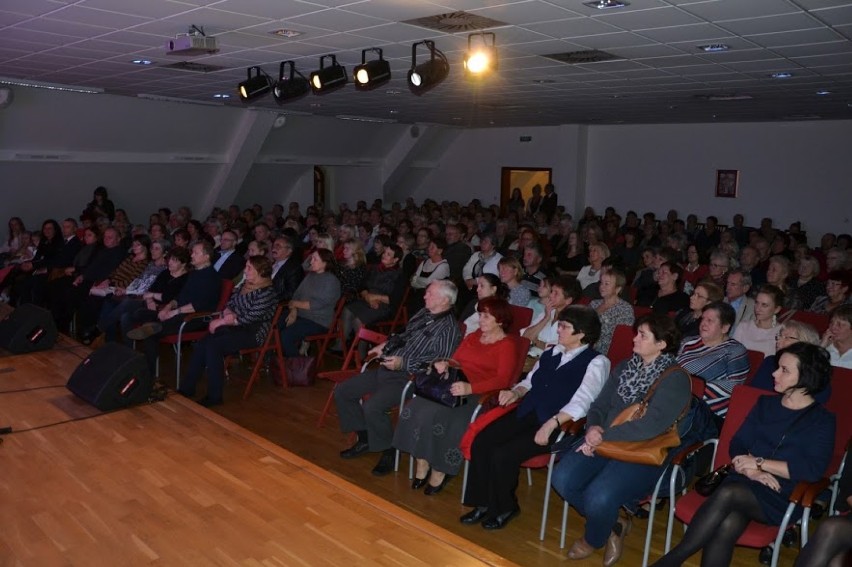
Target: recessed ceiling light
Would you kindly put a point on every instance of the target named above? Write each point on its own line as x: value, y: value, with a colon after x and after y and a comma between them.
x: 221, y: 95
x: 142, y: 62
x: 823, y: 93
x: 394, y: 112
x: 606, y: 4
x: 782, y: 75
x: 286, y: 33
x: 713, y: 47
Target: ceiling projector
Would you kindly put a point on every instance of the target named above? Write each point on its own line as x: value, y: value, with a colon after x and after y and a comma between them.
x: 191, y: 44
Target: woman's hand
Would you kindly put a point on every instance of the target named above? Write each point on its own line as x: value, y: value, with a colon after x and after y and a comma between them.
x: 594, y: 436
x: 586, y: 449
x: 441, y: 366
x: 744, y: 463
x: 119, y: 291
x: 460, y: 389
x: 766, y: 479
x: 392, y: 362
x: 291, y: 317
x: 151, y: 304
x: 214, y: 324
x: 827, y: 339
x: 166, y: 313
x: 542, y: 436
x: 506, y: 397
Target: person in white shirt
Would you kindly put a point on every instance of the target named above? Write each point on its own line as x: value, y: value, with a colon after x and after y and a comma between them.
x: 543, y: 331
x: 483, y: 262
x: 736, y: 295
x: 837, y: 340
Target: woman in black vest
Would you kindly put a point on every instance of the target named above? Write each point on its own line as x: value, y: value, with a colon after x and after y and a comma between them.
x: 597, y: 486
x: 560, y: 387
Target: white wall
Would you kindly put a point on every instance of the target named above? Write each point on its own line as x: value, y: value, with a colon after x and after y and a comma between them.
x: 788, y: 171
x: 470, y: 168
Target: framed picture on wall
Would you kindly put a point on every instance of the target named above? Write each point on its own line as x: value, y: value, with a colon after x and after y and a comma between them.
x: 727, y: 181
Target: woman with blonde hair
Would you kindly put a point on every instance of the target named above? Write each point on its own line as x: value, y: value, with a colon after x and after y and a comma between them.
x: 591, y: 273
x: 511, y: 273
x: 352, y: 271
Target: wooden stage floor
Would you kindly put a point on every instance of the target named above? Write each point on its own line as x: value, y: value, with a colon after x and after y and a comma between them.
x: 253, y: 483
x: 172, y: 483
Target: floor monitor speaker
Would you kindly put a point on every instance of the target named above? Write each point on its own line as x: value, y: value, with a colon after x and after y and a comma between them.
x: 28, y: 328
x: 112, y: 377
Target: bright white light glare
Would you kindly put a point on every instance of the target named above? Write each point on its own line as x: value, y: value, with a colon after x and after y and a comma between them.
x: 316, y: 81
x: 478, y: 62
x: 416, y: 79
x: 362, y: 76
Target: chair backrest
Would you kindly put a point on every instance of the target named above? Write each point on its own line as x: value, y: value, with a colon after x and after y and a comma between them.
x: 338, y: 315
x: 639, y: 311
x: 400, y: 317
x: 621, y: 346
x: 839, y: 404
x: 353, y: 357
x: 697, y: 384
x: 755, y: 359
x: 743, y: 399
x: 818, y: 321
x: 225, y: 294
x: 521, y: 317
x: 522, y: 344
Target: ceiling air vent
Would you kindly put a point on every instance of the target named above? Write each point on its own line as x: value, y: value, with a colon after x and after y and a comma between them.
x: 453, y: 22
x: 577, y: 57
x: 193, y: 67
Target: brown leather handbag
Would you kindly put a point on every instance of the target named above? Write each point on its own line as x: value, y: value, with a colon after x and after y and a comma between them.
x: 648, y: 451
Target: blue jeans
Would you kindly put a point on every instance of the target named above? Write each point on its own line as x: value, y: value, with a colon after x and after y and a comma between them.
x: 292, y: 336
x: 597, y: 487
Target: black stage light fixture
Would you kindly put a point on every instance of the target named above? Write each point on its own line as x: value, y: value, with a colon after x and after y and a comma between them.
x: 371, y: 74
x: 254, y: 86
x: 290, y: 87
x: 427, y: 75
x: 481, y: 57
x: 327, y: 79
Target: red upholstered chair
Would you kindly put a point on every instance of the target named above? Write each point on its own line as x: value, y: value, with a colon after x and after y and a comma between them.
x: 755, y: 359
x: 621, y: 347
x: 756, y: 535
x: 185, y: 337
x: 352, y: 365
x: 639, y: 311
x: 521, y: 318
x: 818, y: 321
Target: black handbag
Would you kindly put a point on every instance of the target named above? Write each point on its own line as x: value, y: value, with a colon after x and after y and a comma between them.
x: 707, y: 484
x: 436, y: 387
x: 301, y: 370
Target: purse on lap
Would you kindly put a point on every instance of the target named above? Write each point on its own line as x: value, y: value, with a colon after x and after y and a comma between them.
x: 436, y: 387
x: 647, y: 451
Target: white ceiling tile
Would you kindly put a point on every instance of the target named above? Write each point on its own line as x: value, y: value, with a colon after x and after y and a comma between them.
x: 817, y: 49
x: 771, y: 24
x: 575, y: 27
x: 30, y: 7
x: 15, y: 34
x: 693, y: 32
x: 146, y: 9
x: 395, y: 33
x: 522, y: 13
x: 134, y: 40
x: 649, y: 19
x: 275, y: 9
x: 338, y: 20
x: 804, y: 37
x: 396, y: 10
x: 63, y: 28
x: 605, y: 41
x: 93, y: 17
x: 237, y: 39
x: 9, y: 18
x: 644, y: 51
x: 737, y: 9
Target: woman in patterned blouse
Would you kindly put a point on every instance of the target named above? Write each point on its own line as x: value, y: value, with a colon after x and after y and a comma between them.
x: 244, y: 323
x: 611, y: 309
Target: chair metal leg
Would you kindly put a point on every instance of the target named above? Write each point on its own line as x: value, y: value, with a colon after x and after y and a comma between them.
x: 327, y: 407
x: 546, y: 497
x: 564, y: 525
x: 464, y: 480
x: 529, y: 477
x: 650, y: 528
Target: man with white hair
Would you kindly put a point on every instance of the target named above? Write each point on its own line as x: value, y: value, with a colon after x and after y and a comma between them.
x: 431, y: 334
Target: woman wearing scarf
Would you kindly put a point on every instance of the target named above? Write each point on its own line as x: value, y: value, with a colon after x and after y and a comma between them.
x: 597, y: 486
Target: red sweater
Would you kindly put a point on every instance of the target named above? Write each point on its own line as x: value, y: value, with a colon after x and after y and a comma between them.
x: 487, y: 367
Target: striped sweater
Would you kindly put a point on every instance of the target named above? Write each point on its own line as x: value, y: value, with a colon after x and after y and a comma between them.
x: 722, y: 367
x: 255, y: 309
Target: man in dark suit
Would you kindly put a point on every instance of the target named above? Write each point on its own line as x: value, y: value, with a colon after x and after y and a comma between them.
x: 287, y: 272
x: 549, y: 201
x: 230, y: 263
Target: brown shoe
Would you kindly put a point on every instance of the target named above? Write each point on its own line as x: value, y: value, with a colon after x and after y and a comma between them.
x: 615, y: 544
x: 580, y: 550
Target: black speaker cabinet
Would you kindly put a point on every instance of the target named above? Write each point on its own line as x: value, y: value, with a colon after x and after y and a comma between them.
x: 28, y: 328
x: 112, y: 377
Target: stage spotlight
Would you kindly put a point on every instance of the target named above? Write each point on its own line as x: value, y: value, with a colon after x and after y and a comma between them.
x: 327, y: 79
x: 254, y: 86
x: 291, y: 87
x: 427, y: 75
x: 371, y: 74
x: 481, y: 57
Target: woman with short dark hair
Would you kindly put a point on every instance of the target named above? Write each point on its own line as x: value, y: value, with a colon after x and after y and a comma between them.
x: 837, y: 288
x: 598, y: 486
x: 785, y: 439
x: 560, y: 387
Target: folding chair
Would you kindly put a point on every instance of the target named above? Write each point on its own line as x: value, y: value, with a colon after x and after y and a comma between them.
x: 334, y: 332
x: 352, y: 365
x: 400, y: 318
x: 181, y: 337
x: 621, y: 347
x: 271, y: 343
